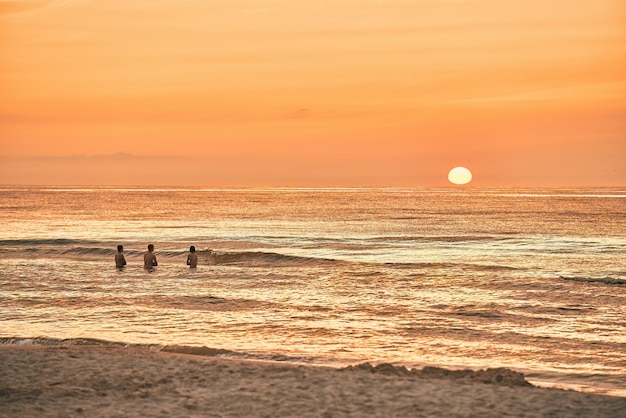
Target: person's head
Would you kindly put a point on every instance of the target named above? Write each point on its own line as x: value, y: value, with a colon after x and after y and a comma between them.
x: 192, y: 249
x: 120, y: 248
x: 150, y: 247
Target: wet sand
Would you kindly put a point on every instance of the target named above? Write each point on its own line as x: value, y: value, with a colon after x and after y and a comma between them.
x: 94, y: 381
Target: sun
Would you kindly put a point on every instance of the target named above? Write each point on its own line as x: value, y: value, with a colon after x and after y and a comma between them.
x: 460, y: 175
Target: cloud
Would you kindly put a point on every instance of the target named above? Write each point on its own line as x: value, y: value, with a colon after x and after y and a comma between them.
x: 597, y: 91
x: 118, y: 156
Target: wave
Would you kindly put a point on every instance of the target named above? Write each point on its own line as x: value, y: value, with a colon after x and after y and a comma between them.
x: 67, y: 248
x: 60, y: 247
x: 98, y: 250
x: 218, y: 352
x: 44, y: 341
x: 90, y: 251
x: 439, y: 265
x: 260, y: 258
x: 71, y: 248
x: 602, y: 280
x: 38, y: 242
x: 179, y: 349
x: 444, y: 238
x: 497, y: 376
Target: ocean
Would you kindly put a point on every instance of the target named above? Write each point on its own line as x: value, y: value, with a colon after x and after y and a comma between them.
x: 529, y: 279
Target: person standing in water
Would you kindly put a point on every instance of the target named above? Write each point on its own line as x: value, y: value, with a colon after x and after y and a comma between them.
x: 149, y: 259
x: 120, y: 260
x: 192, y: 258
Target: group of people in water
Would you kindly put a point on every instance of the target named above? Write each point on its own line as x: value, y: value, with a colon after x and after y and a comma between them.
x: 149, y: 259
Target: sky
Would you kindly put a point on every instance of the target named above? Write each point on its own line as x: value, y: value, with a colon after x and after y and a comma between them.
x: 324, y: 93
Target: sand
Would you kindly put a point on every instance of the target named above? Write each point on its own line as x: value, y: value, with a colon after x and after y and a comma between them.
x: 95, y: 381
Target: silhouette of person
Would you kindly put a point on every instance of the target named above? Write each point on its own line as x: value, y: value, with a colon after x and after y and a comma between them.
x: 192, y: 258
x: 120, y: 261
x: 149, y: 259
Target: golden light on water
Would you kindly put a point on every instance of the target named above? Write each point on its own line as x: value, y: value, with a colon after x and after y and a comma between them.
x: 460, y: 175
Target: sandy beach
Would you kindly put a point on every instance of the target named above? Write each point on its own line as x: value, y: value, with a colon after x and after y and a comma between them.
x: 92, y: 380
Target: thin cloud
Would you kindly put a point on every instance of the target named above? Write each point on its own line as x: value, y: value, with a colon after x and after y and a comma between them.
x: 600, y: 91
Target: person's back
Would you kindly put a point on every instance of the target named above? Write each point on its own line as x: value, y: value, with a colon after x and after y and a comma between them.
x: 192, y: 258
x: 120, y: 260
x: 149, y: 259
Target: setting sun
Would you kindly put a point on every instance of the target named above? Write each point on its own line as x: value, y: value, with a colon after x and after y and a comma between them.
x: 460, y: 175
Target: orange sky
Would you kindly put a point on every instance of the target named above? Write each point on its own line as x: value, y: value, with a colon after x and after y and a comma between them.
x: 312, y: 93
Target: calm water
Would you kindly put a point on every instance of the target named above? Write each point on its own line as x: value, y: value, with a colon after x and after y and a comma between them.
x: 533, y: 280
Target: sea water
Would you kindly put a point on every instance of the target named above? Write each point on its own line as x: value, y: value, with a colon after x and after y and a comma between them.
x: 533, y: 280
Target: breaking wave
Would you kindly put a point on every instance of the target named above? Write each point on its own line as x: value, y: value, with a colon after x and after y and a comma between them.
x: 178, y: 349
x: 259, y: 258
x: 65, y: 248
x: 496, y: 376
x: 38, y: 242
